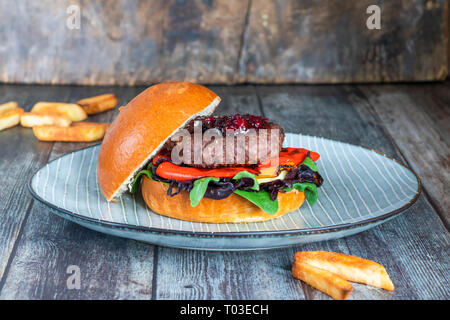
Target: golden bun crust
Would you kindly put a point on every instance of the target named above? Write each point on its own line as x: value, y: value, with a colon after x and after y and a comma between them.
x: 231, y: 209
x: 143, y: 125
x: 10, y: 117
x: 77, y: 132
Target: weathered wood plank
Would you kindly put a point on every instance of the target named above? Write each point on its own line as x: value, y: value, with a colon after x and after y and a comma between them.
x: 324, y: 111
x: 121, y: 42
x: 110, y: 267
x: 418, y: 118
x: 20, y: 156
x: 116, y: 43
x: 131, y: 42
x: 328, y: 42
x: 413, y: 247
x: 186, y: 274
x: 202, y: 40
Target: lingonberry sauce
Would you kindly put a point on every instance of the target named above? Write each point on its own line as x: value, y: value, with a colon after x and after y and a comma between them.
x: 237, y: 122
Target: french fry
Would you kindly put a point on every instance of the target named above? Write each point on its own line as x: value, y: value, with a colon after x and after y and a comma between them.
x: 348, y: 267
x: 71, y: 110
x: 32, y: 119
x: 8, y: 106
x: 325, y: 281
x: 10, y: 118
x: 77, y: 132
x: 99, y: 103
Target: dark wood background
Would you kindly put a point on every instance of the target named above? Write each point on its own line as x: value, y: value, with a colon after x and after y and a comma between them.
x: 223, y: 41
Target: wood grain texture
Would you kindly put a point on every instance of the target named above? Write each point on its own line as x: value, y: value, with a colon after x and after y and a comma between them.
x: 202, y: 40
x: 448, y: 38
x: 219, y: 41
x: 112, y: 38
x: 328, y: 41
x: 418, y: 119
x: 16, y: 166
x: 110, y: 267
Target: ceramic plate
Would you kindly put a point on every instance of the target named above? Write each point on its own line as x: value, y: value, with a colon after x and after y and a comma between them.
x: 362, y: 188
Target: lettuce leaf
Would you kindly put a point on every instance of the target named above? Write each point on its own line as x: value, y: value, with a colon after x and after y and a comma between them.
x: 309, y: 188
x: 199, y: 189
x: 246, y: 174
x: 260, y: 199
x: 310, y: 164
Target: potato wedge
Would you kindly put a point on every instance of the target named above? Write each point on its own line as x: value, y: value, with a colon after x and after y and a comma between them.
x: 77, y: 132
x: 10, y: 118
x: 99, y: 103
x: 8, y: 106
x: 32, y: 119
x: 71, y: 110
x: 325, y: 281
x: 348, y: 267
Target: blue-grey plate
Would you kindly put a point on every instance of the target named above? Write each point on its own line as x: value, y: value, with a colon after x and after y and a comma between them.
x: 362, y: 188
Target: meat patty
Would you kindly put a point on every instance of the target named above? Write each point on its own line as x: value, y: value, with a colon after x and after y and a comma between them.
x: 214, y: 142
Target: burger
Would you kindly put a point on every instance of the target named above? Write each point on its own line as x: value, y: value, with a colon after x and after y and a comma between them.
x: 193, y: 166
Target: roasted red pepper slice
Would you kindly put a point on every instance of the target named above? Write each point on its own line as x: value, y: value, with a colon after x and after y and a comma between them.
x: 293, y: 156
x: 168, y: 170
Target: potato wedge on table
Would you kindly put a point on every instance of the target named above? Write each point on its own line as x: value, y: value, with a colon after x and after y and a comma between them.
x: 10, y: 118
x: 99, y: 103
x: 8, y: 106
x: 351, y: 268
x: 78, y: 132
x: 71, y: 110
x: 32, y: 119
x: 325, y: 281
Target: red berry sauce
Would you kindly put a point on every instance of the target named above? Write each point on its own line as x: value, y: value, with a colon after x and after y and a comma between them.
x: 237, y: 122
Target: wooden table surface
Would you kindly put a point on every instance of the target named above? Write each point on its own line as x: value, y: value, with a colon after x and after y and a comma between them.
x: 411, y: 122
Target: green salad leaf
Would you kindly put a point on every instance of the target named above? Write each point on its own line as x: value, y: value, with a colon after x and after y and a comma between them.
x: 310, y: 164
x: 310, y: 189
x: 246, y: 174
x: 199, y: 189
x: 137, y: 179
x: 260, y: 199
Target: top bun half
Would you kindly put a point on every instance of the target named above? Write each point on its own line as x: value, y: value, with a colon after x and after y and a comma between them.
x: 142, y: 128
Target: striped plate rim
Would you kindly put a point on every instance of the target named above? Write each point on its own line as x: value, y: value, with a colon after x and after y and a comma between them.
x: 303, y: 231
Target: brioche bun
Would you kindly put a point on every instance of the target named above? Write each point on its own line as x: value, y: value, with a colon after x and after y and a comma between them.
x: 231, y: 209
x: 139, y: 132
x: 143, y: 126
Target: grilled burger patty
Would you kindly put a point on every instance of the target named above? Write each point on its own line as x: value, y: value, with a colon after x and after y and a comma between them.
x: 246, y: 149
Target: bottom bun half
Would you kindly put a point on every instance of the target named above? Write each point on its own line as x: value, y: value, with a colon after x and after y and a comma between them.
x: 231, y: 209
